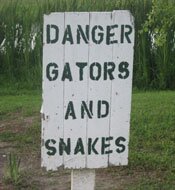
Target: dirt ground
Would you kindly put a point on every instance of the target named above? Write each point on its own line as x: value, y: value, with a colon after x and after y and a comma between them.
x: 34, y: 177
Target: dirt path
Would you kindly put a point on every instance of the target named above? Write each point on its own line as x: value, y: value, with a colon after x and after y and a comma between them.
x: 34, y: 177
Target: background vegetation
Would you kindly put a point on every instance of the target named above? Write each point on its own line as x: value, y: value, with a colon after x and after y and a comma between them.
x: 21, y: 39
x: 152, y: 136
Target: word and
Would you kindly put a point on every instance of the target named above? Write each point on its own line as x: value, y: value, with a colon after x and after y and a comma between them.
x: 64, y: 146
x: 102, y: 108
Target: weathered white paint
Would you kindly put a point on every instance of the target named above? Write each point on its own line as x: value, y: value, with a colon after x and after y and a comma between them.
x: 57, y: 94
x: 75, y: 91
x: 99, y: 90
x: 52, y: 119
x: 83, y: 179
x: 121, y: 93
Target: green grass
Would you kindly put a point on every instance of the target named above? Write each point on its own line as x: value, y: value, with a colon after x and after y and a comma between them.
x: 152, y: 134
x: 152, y: 185
x: 24, y: 102
x: 152, y: 139
x: 153, y: 129
x: 28, y: 139
x: 12, y: 174
x: 14, y: 109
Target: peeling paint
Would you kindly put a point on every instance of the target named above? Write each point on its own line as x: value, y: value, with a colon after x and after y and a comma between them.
x: 43, y: 116
x: 42, y: 142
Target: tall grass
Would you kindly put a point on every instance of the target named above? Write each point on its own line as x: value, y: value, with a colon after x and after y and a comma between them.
x: 21, y: 25
x: 12, y: 175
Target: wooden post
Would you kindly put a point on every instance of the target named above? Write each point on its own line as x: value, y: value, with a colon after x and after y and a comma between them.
x: 83, y: 179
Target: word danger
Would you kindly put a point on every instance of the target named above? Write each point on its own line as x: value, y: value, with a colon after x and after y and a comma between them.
x: 64, y: 146
x: 111, y: 34
x: 97, y: 71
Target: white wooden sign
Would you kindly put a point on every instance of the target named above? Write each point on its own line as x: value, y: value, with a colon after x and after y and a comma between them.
x: 87, y: 82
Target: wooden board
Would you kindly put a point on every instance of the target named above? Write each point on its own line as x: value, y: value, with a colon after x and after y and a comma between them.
x: 75, y: 91
x: 99, y: 90
x: 52, y: 116
x: 87, y: 82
